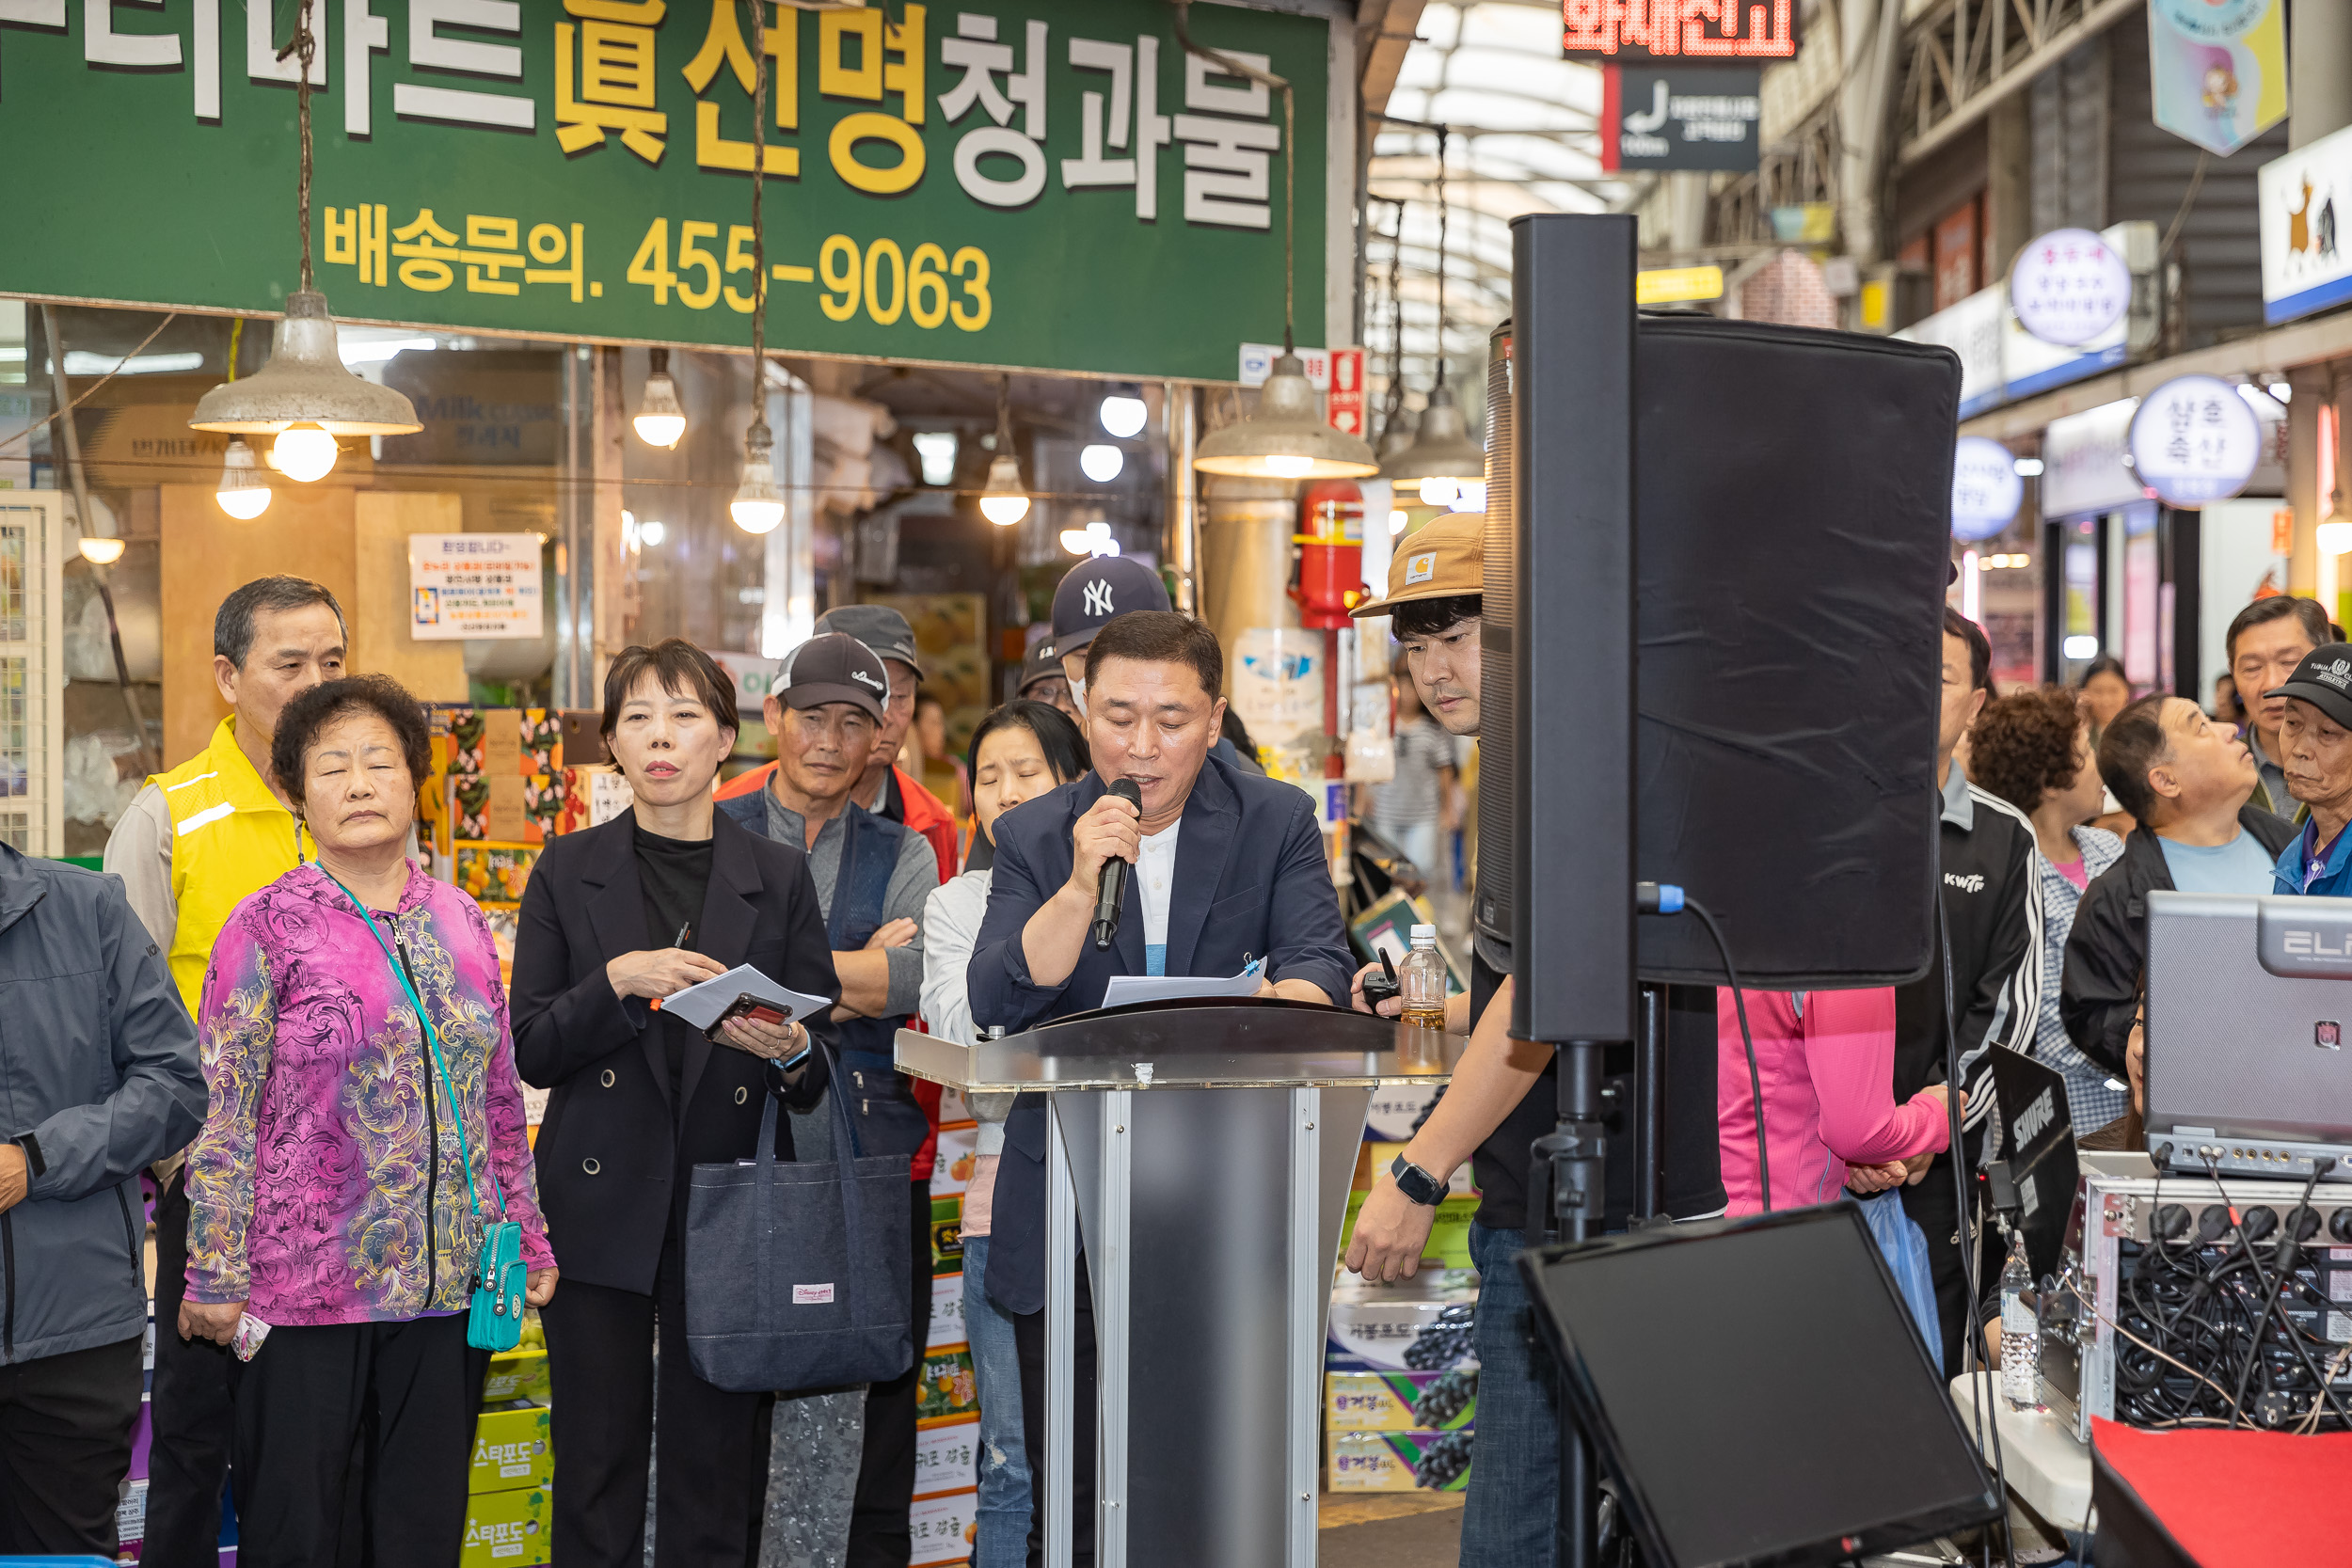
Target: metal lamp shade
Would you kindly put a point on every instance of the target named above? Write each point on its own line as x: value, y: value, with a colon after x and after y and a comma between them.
x: 1442, y: 449
x: 305, y: 383
x: 1286, y: 438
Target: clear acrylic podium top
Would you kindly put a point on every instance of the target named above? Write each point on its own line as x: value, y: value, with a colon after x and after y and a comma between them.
x: 1196, y: 1043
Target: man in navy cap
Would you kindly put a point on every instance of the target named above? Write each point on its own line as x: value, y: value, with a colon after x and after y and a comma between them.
x: 1093, y: 594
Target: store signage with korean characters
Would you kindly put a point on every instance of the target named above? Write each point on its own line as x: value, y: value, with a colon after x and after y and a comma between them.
x: 2304, y: 207
x: 1971, y: 329
x: 1986, y: 489
x: 2068, y: 286
x: 2194, y: 440
x: 1707, y: 32
x: 1682, y: 118
x: 1054, y: 184
x: 474, y: 585
x: 2218, y: 69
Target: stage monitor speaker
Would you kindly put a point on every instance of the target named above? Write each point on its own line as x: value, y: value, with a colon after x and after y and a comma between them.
x: 1757, y: 1390
x: 1791, y: 498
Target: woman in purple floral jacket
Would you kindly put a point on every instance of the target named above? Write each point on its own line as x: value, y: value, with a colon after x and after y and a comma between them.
x: 331, y: 1213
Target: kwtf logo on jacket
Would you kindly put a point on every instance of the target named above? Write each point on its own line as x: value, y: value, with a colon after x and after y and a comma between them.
x: 1972, y: 882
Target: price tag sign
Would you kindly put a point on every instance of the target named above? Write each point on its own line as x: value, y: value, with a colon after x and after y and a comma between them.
x: 1986, y: 491
x: 2068, y: 286
x: 2194, y: 439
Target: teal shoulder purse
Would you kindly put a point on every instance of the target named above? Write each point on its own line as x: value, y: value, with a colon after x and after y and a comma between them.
x: 495, y: 1319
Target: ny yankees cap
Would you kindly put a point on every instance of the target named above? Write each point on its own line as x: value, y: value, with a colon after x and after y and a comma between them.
x: 1446, y: 557
x: 833, y: 667
x: 878, y: 626
x: 1097, y: 591
x: 2324, y: 679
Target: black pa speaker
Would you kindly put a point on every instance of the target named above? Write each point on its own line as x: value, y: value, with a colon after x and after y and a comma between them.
x: 1775, y: 607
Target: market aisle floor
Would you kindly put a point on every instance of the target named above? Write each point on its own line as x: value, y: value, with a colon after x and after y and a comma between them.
x: 1406, y: 1529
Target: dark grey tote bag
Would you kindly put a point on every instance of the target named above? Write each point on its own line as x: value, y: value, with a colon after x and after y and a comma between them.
x: 798, y: 1274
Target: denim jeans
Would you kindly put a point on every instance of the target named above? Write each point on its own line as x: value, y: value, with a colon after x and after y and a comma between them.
x: 1003, y: 1509
x: 1511, y: 1518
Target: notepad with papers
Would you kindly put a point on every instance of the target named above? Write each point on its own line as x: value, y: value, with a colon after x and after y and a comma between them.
x: 1126, y: 991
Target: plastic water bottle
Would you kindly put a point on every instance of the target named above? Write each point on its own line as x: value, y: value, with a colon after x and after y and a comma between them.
x: 1421, y: 981
x: 2021, y: 1330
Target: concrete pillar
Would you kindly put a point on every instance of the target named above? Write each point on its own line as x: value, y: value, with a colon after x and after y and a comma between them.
x: 2319, y: 68
x: 1686, y: 212
x: 1867, y: 30
x: 2311, y: 391
x: 2009, y: 182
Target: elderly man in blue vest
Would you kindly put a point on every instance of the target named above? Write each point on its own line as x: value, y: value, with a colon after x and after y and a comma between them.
x: 1227, y: 867
x: 872, y: 878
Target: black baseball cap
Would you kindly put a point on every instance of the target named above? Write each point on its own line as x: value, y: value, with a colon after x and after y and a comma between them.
x: 1099, y: 591
x: 880, y: 627
x: 1041, y: 664
x: 2324, y: 679
x: 833, y: 667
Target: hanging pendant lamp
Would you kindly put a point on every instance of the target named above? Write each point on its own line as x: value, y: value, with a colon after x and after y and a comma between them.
x: 305, y: 384
x: 1287, y: 437
x: 758, y: 503
x: 1441, y: 449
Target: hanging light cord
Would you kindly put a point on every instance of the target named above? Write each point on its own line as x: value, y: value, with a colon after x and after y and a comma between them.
x: 304, y: 47
x: 759, y: 232
x: 1395, y: 410
x: 1233, y: 67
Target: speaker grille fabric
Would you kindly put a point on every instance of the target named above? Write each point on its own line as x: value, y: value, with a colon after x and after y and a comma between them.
x: 1794, y: 495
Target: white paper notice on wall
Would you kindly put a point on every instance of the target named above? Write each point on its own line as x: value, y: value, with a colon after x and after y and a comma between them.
x: 465, y: 585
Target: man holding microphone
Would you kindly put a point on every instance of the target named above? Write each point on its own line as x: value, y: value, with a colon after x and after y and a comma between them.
x: 1226, y: 867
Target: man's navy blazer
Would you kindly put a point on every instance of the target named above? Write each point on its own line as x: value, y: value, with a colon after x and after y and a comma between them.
x: 1252, y: 882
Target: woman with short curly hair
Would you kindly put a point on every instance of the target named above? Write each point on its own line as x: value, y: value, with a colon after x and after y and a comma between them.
x: 351, y: 1159
x: 2033, y: 749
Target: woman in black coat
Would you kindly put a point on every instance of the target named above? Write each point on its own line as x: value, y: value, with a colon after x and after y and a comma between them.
x: 666, y: 896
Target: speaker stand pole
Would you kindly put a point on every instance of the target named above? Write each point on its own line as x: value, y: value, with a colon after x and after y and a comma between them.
x: 1649, y: 1108
x: 1571, y: 1170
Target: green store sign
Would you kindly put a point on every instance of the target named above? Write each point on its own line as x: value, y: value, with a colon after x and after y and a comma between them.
x: 1051, y: 183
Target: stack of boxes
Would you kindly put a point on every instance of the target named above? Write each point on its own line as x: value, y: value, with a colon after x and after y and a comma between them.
x: 510, y: 1510
x: 1401, y: 1368
x: 942, y: 1519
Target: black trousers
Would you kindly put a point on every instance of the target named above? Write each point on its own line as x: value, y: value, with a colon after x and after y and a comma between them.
x: 406, y: 1393
x: 1936, y: 1209
x: 1028, y: 1338
x: 190, y: 1413
x: 65, y: 1446
x: 713, y: 1483
x: 885, y: 1475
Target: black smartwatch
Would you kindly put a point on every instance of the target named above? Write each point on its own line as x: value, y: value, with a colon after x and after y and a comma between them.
x: 1416, y: 1183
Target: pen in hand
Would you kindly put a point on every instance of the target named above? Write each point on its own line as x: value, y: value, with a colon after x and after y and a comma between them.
x: 685, y: 934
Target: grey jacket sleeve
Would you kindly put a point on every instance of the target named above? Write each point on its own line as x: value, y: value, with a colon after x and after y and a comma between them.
x: 158, y: 1101
x: 911, y: 884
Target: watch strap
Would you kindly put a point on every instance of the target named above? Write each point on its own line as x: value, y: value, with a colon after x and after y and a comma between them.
x: 35, y: 1165
x: 1416, y: 1183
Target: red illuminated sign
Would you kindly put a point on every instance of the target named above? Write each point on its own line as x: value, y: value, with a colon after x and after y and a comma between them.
x: 1677, y: 29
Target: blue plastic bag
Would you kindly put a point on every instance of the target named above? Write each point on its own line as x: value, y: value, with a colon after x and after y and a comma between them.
x: 1904, y: 1246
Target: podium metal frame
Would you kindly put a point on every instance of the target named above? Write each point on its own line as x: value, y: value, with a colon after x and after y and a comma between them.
x: 1266, y: 1160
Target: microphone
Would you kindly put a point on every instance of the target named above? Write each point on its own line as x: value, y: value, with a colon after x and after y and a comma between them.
x: 1111, y: 894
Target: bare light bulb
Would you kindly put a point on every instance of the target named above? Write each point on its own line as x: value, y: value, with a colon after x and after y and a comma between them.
x: 660, y: 421
x: 1288, y: 467
x: 304, y: 454
x: 1004, y: 503
x: 2335, y: 538
x: 758, y: 505
x: 1101, y: 462
x: 1123, y: 413
x: 242, y: 494
x: 101, y: 550
x: 1439, y: 490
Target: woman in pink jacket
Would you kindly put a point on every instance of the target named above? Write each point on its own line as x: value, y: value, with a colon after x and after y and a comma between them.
x: 1826, y: 1063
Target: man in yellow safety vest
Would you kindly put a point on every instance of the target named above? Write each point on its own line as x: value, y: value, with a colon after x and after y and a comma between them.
x: 191, y: 846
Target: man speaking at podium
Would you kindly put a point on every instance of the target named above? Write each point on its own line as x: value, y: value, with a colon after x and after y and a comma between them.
x: 1221, y: 867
